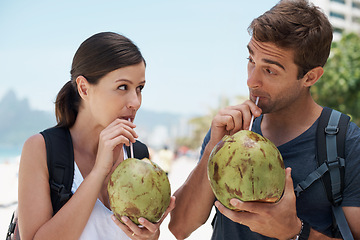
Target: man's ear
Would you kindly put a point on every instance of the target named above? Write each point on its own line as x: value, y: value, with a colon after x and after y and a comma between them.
x: 82, y: 86
x: 312, y: 76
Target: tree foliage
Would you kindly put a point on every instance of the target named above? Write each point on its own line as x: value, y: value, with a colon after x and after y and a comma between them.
x: 339, y: 87
x: 201, y: 124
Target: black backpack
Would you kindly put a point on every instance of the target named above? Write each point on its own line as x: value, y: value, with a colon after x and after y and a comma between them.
x: 331, y: 134
x: 330, y: 140
x: 60, y: 160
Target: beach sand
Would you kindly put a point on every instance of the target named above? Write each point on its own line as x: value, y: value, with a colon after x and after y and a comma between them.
x: 177, y: 176
x: 8, y: 197
x: 8, y: 194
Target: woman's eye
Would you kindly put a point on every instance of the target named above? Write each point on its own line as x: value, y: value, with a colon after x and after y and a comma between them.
x: 122, y: 87
x: 140, y: 88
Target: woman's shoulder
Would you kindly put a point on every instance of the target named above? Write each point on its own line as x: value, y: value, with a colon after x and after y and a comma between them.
x: 34, y: 152
x: 34, y: 142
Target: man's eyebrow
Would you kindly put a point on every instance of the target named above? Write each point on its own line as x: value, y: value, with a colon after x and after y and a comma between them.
x: 267, y: 60
x: 250, y: 50
x: 274, y: 62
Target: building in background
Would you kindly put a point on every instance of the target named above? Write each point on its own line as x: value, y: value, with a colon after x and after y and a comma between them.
x: 344, y: 15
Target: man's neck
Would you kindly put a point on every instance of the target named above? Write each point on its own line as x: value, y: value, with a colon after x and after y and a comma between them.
x: 284, y: 125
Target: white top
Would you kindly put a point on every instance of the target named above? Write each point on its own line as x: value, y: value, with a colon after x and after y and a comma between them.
x: 100, y: 225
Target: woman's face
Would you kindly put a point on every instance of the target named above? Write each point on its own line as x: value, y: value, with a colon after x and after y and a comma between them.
x: 117, y: 94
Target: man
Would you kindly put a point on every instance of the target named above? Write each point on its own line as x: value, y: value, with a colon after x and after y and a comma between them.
x: 288, y: 48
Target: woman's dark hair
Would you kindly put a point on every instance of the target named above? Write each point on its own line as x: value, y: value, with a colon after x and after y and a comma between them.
x: 97, y: 56
x: 297, y: 25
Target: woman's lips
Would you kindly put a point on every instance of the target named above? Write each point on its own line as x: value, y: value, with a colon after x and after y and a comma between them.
x: 128, y: 118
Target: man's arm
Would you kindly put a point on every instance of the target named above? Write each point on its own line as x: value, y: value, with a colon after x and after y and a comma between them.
x: 352, y: 217
x: 194, y: 199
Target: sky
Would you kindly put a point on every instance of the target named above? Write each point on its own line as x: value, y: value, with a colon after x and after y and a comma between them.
x: 195, y: 50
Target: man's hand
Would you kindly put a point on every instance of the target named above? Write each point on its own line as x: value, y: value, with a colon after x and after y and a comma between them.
x: 233, y: 119
x: 276, y: 220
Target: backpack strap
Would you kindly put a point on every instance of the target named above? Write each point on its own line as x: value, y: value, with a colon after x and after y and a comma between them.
x: 60, y: 160
x: 330, y: 140
x: 335, y: 151
x: 140, y: 150
x: 331, y: 150
x: 13, y: 230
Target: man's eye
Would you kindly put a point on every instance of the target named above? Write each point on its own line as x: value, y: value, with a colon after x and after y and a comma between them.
x: 250, y: 60
x: 122, y: 87
x: 269, y: 71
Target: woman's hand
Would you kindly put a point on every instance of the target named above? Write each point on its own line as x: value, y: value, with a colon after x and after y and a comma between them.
x: 111, y: 141
x: 147, y: 230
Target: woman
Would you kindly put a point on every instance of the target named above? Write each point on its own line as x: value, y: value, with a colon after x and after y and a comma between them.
x: 98, y: 106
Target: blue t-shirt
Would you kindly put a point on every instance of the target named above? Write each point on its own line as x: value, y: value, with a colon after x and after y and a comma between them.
x: 312, y: 205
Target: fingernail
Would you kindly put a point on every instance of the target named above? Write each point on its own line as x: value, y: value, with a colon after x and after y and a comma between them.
x: 141, y: 220
x: 124, y: 219
x: 234, y: 202
x: 113, y: 218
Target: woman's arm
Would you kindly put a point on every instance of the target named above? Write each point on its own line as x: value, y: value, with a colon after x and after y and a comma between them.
x: 35, y: 208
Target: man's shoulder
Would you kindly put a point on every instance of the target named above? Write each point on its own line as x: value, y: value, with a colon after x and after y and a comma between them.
x: 353, y: 132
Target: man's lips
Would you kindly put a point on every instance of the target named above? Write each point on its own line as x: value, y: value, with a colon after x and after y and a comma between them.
x: 253, y: 96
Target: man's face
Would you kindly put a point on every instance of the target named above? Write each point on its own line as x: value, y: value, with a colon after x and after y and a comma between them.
x: 272, y: 76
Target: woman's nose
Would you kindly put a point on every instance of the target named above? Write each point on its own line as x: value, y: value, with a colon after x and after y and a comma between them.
x: 134, y: 101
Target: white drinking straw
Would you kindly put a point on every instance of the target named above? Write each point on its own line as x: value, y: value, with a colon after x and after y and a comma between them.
x: 252, y: 117
x: 131, y: 148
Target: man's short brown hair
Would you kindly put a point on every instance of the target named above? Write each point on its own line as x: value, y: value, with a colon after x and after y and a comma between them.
x: 299, y: 26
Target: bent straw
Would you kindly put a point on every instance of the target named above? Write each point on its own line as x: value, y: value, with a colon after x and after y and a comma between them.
x: 252, y: 117
x: 131, y: 147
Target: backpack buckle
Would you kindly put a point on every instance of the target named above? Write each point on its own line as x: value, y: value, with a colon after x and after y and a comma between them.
x: 331, y: 130
x: 338, y: 163
x: 337, y: 199
x: 57, y: 187
x: 298, y: 190
x: 11, y: 229
x: 61, y: 191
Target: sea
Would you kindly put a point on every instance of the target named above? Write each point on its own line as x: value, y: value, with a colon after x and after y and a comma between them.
x: 10, y: 155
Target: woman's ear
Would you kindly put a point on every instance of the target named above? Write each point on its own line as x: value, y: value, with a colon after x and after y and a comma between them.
x: 312, y: 76
x: 82, y: 86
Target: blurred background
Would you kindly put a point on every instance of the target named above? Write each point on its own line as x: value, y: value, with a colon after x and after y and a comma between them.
x: 196, y: 64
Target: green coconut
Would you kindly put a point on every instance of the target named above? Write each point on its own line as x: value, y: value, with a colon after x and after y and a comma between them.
x: 246, y: 166
x: 139, y: 188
